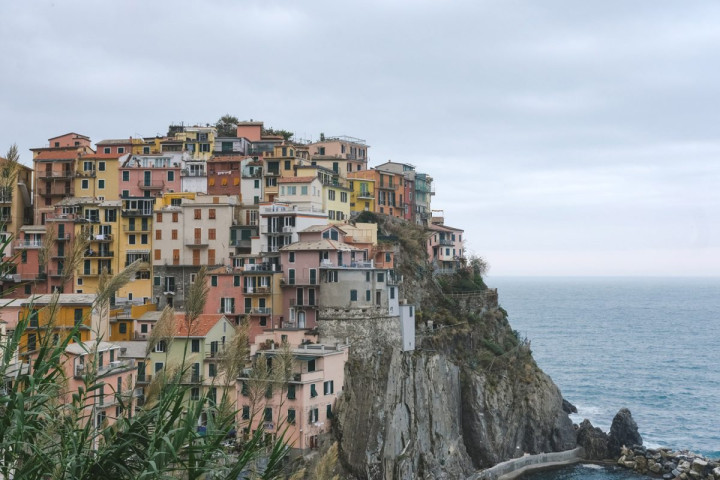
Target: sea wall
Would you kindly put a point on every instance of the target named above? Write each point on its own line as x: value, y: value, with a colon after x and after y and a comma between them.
x: 517, y: 466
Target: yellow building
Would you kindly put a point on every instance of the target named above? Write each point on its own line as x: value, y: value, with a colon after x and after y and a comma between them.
x: 280, y: 163
x: 135, y: 241
x: 196, y: 141
x: 362, y: 195
x: 124, y: 321
x: 96, y: 176
x: 15, y: 208
x: 335, y: 191
x: 71, y: 310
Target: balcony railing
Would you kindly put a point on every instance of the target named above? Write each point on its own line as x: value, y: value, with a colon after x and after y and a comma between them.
x: 446, y: 242
x: 191, y: 378
x: 101, y: 238
x: 136, y: 212
x: 93, y: 272
x: 315, y: 376
x: 144, y: 379
x: 193, y: 173
x: 196, y: 243
x: 63, y: 174
x: 151, y: 185
x: 28, y: 244
x: 303, y: 303
x: 259, y: 311
x: 358, y: 264
x: 99, y: 254
x: 86, y: 174
x: 6, y: 218
x: 365, y: 195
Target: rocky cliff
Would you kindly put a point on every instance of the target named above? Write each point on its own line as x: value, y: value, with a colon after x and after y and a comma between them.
x: 470, y: 396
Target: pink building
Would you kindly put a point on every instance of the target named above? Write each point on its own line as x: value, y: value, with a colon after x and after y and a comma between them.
x: 118, y: 395
x: 306, y: 404
x: 444, y: 247
x: 149, y: 175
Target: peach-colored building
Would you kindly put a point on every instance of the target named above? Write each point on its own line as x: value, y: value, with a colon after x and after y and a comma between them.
x: 389, y: 191
x: 444, y: 247
x: 55, y: 171
x: 141, y: 175
x: 117, y: 395
x: 342, y: 154
x: 305, y: 405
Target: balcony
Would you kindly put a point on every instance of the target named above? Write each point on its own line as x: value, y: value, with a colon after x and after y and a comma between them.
x: 446, y: 243
x: 241, y: 243
x: 138, y: 229
x: 272, y: 173
x: 87, y: 219
x: 365, y: 195
x: 86, y: 174
x: 215, y: 354
x: 259, y: 311
x: 99, y: 254
x: 5, y: 218
x: 359, y: 264
x: 28, y: 244
x: 93, y: 272
x: 32, y: 277
x: 255, y: 174
x: 151, y: 185
x: 303, y: 303
x: 191, y: 378
x: 136, y: 212
x: 50, y: 175
x: 308, y: 377
x: 196, y: 243
x: 144, y: 379
x: 63, y: 238
x: 56, y: 273
x: 61, y: 190
x: 261, y: 268
x: 256, y: 291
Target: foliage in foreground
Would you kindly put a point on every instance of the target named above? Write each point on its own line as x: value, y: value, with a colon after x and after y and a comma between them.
x: 47, y: 432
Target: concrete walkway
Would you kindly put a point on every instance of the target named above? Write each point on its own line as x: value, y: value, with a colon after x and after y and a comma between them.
x: 517, y: 466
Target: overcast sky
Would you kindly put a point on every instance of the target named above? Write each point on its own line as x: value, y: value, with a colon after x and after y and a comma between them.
x: 565, y: 137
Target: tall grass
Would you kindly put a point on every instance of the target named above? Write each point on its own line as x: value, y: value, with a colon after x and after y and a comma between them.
x: 49, y: 432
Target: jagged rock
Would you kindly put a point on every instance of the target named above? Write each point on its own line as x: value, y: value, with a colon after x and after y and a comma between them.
x: 654, y: 467
x: 699, y: 465
x: 568, y: 407
x: 623, y: 431
x: 641, y: 464
x: 716, y: 472
x: 593, y: 440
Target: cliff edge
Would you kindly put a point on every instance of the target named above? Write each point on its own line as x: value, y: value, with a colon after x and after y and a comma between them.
x: 468, y: 397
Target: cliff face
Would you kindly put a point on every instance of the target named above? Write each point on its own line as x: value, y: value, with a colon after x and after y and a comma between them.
x: 470, y: 396
x: 424, y: 415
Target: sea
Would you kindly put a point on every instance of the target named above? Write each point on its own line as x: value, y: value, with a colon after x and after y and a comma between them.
x: 649, y: 344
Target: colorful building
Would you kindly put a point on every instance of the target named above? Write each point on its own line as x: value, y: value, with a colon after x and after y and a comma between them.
x: 444, y: 247
x: 342, y: 154
x: 304, y: 406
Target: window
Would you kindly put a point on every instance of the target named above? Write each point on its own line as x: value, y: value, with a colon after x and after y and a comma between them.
x: 157, y: 281
x: 158, y: 255
x: 211, y: 256
x: 158, y: 234
x: 367, y: 295
x: 160, y: 347
x: 158, y: 217
x: 212, y: 370
x: 388, y: 258
x: 121, y: 149
x: 158, y: 366
x: 122, y: 328
x: 85, y: 184
x: 198, y: 214
x: 101, y: 166
x: 211, y: 234
x: 331, y: 194
x: 304, y: 190
x: 78, y: 316
x: 125, y: 176
x: 144, y: 239
x: 343, y: 197
x: 245, y: 412
x: 353, y: 295
x: 131, y: 239
x: 171, y: 176
x: 146, y: 150
x: 268, y: 414
x: 381, y: 277
x: 392, y: 293
x: 291, y: 257
x: 313, y: 415
x: 101, y: 184
x: 236, y: 280
x: 174, y: 234
x: 126, y: 193
x: 195, y: 345
x: 328, y: 411
x: 291, y: 276
x: 291, y: 391
x: 328, y: 388
x: 313, y: 391
x: 211, y: 214
x: 106, y: 150
x: 144, y: 327
x: 175, y: 217
x: 31, y: 342
x: 195, y: 393
x: 291, y: 416
x: 244, y: 389
x: 311, y: 365
x: 288, y: 165
x: 214, y: 280
x: 332, y: 276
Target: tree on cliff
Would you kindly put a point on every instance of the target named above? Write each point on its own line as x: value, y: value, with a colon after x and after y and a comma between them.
x: 227, y: 126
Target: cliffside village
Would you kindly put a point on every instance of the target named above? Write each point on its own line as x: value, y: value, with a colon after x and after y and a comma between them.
x: 268, y: 217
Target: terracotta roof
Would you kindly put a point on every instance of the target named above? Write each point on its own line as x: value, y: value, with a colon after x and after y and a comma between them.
x: 296, y: 180
x: 443, y: 228
x: 323, y: 244
x: 69, y: 133
x: 115, y: 141
x: 70, y: 153
x: 200, y: 327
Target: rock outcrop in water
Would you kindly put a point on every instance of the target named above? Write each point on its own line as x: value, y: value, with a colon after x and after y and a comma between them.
x: 593, y: 440
x: 470, y: 396
x: 623, y: 432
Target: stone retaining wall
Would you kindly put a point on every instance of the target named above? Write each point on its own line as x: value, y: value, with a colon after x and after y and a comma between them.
x: 517, y: 466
